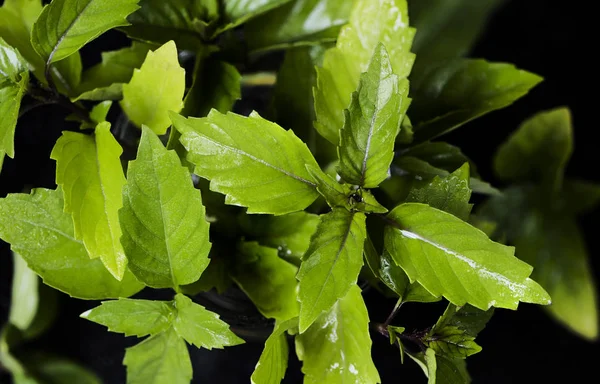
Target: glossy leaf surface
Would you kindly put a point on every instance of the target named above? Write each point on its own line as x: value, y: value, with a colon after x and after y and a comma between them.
x: 42, y: 233
x: 451, y: 258
x: 332, y: 263
x: 165, y: 233
x: 265, y: 173
x: 273, y: 361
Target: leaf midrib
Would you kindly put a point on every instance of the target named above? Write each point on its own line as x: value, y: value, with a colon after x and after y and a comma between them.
x: 64, y: 35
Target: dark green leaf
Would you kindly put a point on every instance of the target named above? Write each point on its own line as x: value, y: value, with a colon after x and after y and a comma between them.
x: 14, y: 79
x: 155, y: 89
x: 90, y: 172
x: 273, y: 361
x: 342, y: 65
x: 237, y: 12
x: 42, y: 233
x: 298, y: 22
x: 265, y: 172
x: 269, y: 281
x: 64, y: 26
x: 105, y: 80
x: 447, y: 28
x: 538, y: 150
x: 165, y: 233
x: 452, y: 342
x: 201, y: 327
x: 467, y: 318
x: 449, y: 94
x: 290, y: 234
x: 450, y: 194
x: 332, y: 263
x: 372, y: 122
x: 580, y: 196
x: 162, y: 358
x: 451, y: 258
x: 184, y: 21
x: 442, y: 370
x: 439, y: 155
x: 133, y: 317
x: 336, y: 349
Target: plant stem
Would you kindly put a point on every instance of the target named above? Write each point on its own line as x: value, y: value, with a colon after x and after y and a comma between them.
x: 393, y: 313
x: 48, y: 96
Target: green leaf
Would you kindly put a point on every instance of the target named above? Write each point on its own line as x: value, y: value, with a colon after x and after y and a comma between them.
x: 165, y: 233
x: 105, y: 80
x: 448, y: 95
x: 273, y: 361
x: 133, y: 317
x: 442, y: 370
x: 42, y: 233
x: 298, y: 22
x: 451, y: 258
x: 183, y: 21
x: 155, y: 89
x: 447, y: 28
x: 265, y: 172
x: 439, y: 155
x: 51, y: 369
x: 337, y: 347
x: 547, y: 237
x: 467, y: 318
x: 65, y: 26
x: 97, y: 115
x: 89, y: 170
x: 201, y: 327
x: 335, y: 193
x: 450, y: 194
x: 162, y: 358
x: 372, y: 122
x: 538, y: 150
x: 237, y: 12
x: 342, y: 65
x: 332, y: 263
x: 269, y: 281
x: 14, y: 79
x: 580, y: 196
x: 16, y: 22
x: 452, y: 342
x: 290, y: 234
x: 24, y: 299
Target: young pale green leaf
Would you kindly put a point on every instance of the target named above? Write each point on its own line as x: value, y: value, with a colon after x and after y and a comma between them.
x: 89, y: 170
x: 265, y: 172
x: 133, y: 317
x: 539, y: 149
x: 16, y: 22
x: 451, y: 258
x: 447, y: 28
x: 372, y: 122
x: 332, y: 263
x: 297, y: 23
x: 237, y: 12
x: 162, y: 358
x: 290, y: 234
x: 336, y: 349
x: 183, y: 21
x: 447, y: 95
x: 97, y: 115
x: 165, y: 232
x: 14, y: 79
x: 64, y: 26
x: 450, y: 194
x: 25, y: 299
x: 201, y: 327
x: 273, y: 361
x: 269, y: 281
x: 41, y: 232
x: 342, y: 65
x: 155, y: 89
x: 452, y: 342
x: 335, y: 194
x: 105, y: 80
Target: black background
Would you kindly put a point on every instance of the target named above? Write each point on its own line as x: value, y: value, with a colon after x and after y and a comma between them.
x: 545, y: 37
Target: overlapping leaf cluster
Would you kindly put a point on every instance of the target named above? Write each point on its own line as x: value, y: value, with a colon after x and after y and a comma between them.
x: 299, y: 217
